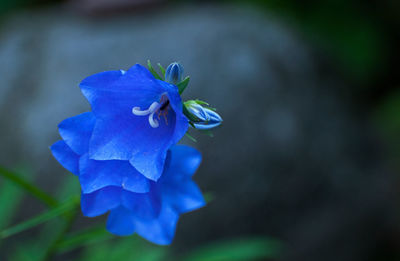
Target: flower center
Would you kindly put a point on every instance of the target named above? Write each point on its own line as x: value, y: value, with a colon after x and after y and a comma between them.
x: 161, y: 108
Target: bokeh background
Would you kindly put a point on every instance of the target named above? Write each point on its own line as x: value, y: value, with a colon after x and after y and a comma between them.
x: 305, y: 165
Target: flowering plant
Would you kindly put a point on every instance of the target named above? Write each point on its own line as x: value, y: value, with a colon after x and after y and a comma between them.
x: 124, y: 151
x: 125, y: 155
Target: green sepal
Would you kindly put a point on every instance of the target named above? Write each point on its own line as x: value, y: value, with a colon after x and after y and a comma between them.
x: 204, y: 104
x: 151, y: 69
x: 162, y: 69
x: 187, y: 113
x: 183, y: 84
x: 201, y: 102
x: 190, y: 137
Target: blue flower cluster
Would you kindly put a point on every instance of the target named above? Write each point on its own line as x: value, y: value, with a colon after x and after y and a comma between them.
x: 125, y: 155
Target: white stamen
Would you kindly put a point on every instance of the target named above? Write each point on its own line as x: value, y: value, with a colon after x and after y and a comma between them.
x: 153, y: 107
x: 153, y: 122
x: 151, y: 110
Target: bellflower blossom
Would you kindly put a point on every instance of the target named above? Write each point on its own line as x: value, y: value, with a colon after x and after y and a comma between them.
x: 136, y: 204
x: 137, y: 118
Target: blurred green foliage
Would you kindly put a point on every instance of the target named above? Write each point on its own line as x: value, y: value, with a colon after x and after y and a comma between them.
x: 7, y: 5
x: 387, y: 118
x: 54, y: 238
x: 350, y: 32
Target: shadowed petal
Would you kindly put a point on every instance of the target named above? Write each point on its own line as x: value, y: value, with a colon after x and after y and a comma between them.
x: 67, y: 158
x: 76, y: 131
x: 150, y: 164
x: 184, y: 161
x: 160, y: 230
x: 95, y: 175
x: 121, y: 222
x: 145, y: 205
x: 184, y: 196
x: 100, y: 201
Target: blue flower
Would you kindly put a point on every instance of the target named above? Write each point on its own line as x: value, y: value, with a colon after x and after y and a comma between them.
x: 137, y: 118
x: 136, y: 204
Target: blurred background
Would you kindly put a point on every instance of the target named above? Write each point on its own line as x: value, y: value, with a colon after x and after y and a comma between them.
x: 305, y: 165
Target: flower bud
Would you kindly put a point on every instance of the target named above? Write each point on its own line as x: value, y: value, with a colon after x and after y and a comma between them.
x: 206, y: 118
x: 174, y: 73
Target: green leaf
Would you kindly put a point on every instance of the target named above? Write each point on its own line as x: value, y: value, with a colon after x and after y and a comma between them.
x: 55, y: 212
x: 25, y: 252
x: 151, y: 69
x: 28, y: 187
x: 183, y: 84
x: 10, y: 197
x: 239, y: 249
x: 162, y: 69
x: 83, y: 238
x: 131, y: 248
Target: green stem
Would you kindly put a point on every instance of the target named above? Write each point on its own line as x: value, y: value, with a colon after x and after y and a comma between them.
x: 54, y: 212
x: 33, y: 190
x: 51, y: 251
x: 82, y: 238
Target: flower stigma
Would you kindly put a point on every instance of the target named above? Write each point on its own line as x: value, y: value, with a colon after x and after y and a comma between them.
x: 160, y: 108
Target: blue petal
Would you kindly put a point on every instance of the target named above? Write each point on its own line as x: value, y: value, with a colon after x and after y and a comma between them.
x: 183, y: 161
x: 206, y: 126
x: 182, y: 123
x: 100, y: 201
x: 150, y: 164
x: 161, y: 230
x: 176, y: 185
x: 183, y: 196
x: 121, y: 222
x: 132, y: 138
x: 214, y: 117
x: 139, y: 72
x: 112, y: 93
x: 76, y: 131
x: 144, y: 205
x: 67, y: 158
x: 95, y: 174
